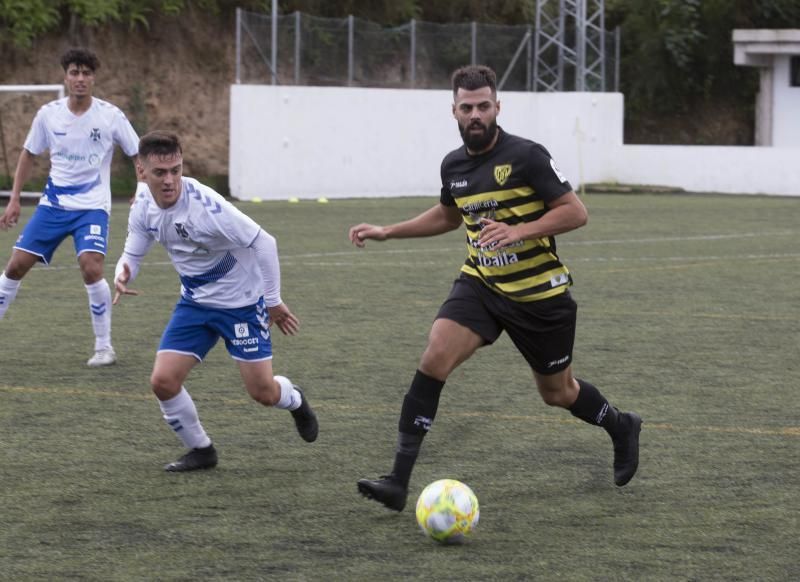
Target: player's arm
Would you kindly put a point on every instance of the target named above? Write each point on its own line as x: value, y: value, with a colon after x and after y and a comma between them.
x: 564, y: 214
x: 137, y: 244
x: 24, y: 166
x: 266, y: 252
x: 436, y: 220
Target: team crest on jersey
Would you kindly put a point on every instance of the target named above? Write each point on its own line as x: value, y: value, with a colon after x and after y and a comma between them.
x: 181, y: 230
x: 95, y: 135
x: 501, y: 173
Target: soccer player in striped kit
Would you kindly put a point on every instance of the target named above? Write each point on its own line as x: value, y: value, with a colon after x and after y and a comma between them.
x: 230, y: 289
x: 80, y: 132
x: 512, y: 199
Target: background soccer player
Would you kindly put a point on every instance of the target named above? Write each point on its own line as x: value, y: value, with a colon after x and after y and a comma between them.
x: 80, y: 131
x: 512, y: 200
x: 230, y: 289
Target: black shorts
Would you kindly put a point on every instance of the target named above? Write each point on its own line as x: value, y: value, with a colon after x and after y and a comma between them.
x: 543, y: 331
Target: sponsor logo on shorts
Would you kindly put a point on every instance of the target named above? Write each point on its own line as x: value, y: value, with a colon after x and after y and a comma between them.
x: 563, y: 360
x: 458, y: 184
x: 241, y: 330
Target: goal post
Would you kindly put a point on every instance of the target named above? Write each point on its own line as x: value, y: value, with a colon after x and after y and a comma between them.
x: 3, y: 149
x: 32, y: 89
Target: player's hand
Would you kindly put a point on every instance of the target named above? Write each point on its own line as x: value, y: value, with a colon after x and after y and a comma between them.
x: 120, y: 284
x: 497, y: 235
x: 286, y: 321
x: 362, y: 232
x: 10, y: 216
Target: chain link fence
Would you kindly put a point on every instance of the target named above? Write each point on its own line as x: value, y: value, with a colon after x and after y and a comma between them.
x: 311, y: 50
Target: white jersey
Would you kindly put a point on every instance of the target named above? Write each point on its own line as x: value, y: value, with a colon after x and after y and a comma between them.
x: 208, y: 241
x: 80, y: 147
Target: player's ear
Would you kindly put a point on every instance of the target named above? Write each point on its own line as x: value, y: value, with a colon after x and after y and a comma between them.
x: 454, y: 110
x: 497, y: 106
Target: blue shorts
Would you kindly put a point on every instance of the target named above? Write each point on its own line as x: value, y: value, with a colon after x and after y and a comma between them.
x: 48, y: 227
x: 195, y: 329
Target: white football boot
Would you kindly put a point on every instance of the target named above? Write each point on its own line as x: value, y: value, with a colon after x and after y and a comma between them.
x: 104, y: 357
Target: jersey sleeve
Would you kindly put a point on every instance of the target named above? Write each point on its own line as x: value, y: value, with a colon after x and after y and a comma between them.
x: 37, y: 141
x: 543, y: 175
x: 138, y: 241
x: 124, y: 134
x: 445, y: 196
x: 229, y: 227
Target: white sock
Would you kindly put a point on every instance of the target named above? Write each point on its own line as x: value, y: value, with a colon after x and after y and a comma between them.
x: 181, y: 415
x: 100, y: 310
x: 8, y: 290
x: 290, y: 397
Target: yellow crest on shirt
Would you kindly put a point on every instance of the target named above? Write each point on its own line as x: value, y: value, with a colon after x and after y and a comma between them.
x: 501, y: 173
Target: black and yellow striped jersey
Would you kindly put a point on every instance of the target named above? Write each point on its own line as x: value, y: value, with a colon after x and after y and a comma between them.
x: 512, y: 183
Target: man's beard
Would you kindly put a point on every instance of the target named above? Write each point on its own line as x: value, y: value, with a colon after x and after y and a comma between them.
x: 477, y: 142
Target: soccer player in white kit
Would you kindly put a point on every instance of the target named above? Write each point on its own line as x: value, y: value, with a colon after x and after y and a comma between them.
x: 80, y: 132
x: 230, y: 289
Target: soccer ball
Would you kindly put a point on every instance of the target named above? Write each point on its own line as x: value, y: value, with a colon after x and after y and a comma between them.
x: 447, y: 510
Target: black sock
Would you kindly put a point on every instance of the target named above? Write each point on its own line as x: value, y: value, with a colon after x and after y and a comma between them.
x: 419, y: 410
x: 592, y: 407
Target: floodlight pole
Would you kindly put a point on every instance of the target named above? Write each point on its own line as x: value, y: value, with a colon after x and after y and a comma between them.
x: 297, y: 47
x: 413, y: 48
x: 274, y: 47
x: 350, y: 48
x: 238, y: 45
x: 553, y: 54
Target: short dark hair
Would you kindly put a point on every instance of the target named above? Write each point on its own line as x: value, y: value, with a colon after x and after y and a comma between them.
x: 474, y: 77
x: 160, y: 144
x: 81, y: 57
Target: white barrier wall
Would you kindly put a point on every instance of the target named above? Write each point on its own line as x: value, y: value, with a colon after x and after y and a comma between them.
x: 336, y: 142
x: 725, y: 169
x: 339, y: 142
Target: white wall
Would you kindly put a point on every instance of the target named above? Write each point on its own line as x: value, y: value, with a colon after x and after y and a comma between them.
x: 725, y: 169
x: 339, y: 142
x: 786, y: 106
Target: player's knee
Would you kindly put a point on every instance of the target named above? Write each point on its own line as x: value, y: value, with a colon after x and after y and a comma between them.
x: 553, y: 398
x: 92, y: 274
x: 164, y: 387
x: 560, y: 394
x: 437, y: 361
x: 267, y: 392
x: 16, y: 269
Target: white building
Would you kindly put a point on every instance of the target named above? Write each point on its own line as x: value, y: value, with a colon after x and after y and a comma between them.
x: 777, y: 55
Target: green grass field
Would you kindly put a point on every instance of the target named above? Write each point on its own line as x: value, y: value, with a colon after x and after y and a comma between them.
x: 689, y: 314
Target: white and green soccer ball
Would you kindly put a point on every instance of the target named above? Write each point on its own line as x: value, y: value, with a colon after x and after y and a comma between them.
x: 447, y: 511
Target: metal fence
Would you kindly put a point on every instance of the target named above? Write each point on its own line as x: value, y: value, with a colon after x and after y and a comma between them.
x: 300, y: 49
